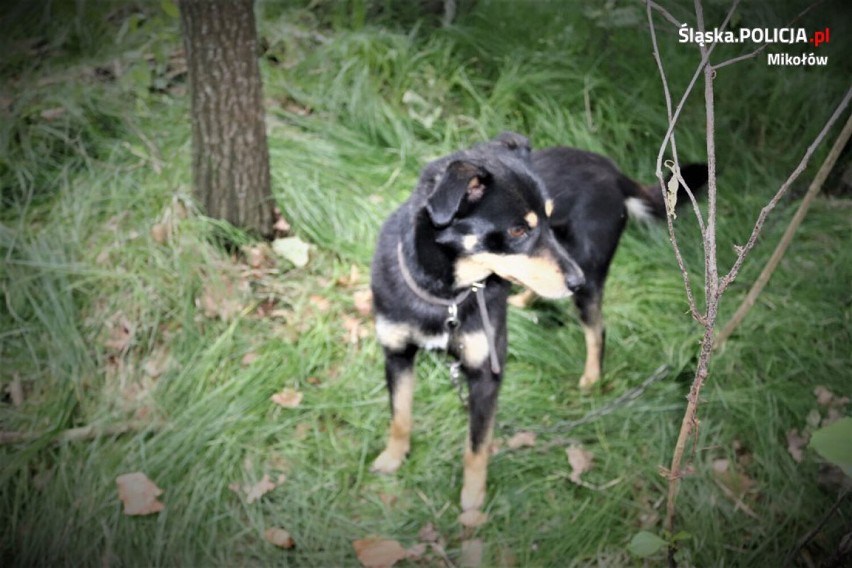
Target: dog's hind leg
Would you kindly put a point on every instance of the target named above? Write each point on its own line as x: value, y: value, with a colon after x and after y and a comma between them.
x: 399, y: 373
x: 589, y: 305
x: 484, y: 386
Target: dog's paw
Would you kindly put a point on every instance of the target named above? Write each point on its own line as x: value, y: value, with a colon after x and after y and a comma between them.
x: 386, y: 463
x: 472, y: 496
x: 587, y: 381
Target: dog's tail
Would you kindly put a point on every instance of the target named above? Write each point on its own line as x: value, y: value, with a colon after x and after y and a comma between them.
x: 646, y: 203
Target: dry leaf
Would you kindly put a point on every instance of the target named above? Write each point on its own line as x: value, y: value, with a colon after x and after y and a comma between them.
x: 249, y: 358
x: 416, y: 552
x: 350, y: 279
x: 259, y: 255
x: 580, y: 461
x: 222, y: 299
x: 288, y: 398
x: 319, y: 302
x: 363, y: 300
x: 471, y: 554
x: 16, y: 391
x: 378, y: 553
x: 157, y: 363
x: 428, y: 533
x: 354, y: 329
x: 521, y: 440
x: 259, y: 489
x: 279, y: 537
x: 473, y: 518
x: 796, y: 443
x: 161, y: 232
x: 120, y: 335
x: 281, y: 226
x: 139, y: 494
x: 52, y: 113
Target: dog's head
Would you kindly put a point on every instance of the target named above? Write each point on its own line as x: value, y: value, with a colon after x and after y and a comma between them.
x: 492, y: 211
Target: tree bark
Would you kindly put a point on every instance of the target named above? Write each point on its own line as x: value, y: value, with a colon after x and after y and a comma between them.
x: 230, y: 157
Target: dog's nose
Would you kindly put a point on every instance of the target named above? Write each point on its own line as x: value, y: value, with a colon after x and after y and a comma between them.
x: 575, y: 281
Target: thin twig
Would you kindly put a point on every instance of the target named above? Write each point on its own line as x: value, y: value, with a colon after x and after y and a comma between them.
x: 666, y: 14
x: 758, y: 226
x: 760, y: 49
x: 78, y: 434
x: 811, y: 533
x: 787, y: 238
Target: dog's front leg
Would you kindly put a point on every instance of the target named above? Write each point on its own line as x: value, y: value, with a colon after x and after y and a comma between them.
x: 484, y: 386
x: 399, y: 373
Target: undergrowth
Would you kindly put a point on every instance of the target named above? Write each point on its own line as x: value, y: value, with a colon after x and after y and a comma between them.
x: 104, y: 322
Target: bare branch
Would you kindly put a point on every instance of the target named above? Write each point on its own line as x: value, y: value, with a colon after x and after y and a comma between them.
x: 760, y: 49
x: 758, y: 225
x: 666, y: 14
x: 787, y: 238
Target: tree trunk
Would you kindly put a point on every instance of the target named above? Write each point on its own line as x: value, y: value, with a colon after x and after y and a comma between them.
x: 230, y: 157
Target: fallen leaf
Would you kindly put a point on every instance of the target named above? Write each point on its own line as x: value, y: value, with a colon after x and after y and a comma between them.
x: 428, y: 533
x: 354, y: 329
x: 471, y: 553
x: 222, y: 299
x: 416, y: 552
x: 157, y: 363
x: 16, y: 391
x: 796, y: 443
x: 120, y: 335
x: 378, y: 553
x: 161, y: 232
x: 52, y: 113
x: 827, y: 398
x: 319, y: 302
x: 259, y: 255
x: 473, y: 518
x: 281, y: 226
x: 350, y: 279
x: 279, y: 537
x: 292, y: 249
x: 139, y: 494
x: 288, y: 398
x: 521, y: 440
x: 580, y: 461
x: 259, y: 489
x: 363, y: 300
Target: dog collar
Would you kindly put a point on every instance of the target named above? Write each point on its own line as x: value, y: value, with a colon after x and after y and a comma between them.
x: 452, y: 305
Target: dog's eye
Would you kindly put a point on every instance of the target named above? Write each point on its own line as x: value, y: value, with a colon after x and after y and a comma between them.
x: 517, y: 231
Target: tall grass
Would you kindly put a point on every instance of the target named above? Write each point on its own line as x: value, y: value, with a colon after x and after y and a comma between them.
x: 359, y: 96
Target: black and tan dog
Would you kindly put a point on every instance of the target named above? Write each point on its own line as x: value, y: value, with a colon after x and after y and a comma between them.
x: 477, y: 221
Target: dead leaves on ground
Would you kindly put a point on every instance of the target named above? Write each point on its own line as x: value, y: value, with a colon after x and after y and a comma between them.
x: 287, y: 398
x: 377, y: 552
x: 829, y: 409
x: 279, y: 537
x: 253, y: 492
x: 139, y: 494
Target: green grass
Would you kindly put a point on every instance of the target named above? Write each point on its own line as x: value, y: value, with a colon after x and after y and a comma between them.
x: 83, y: 186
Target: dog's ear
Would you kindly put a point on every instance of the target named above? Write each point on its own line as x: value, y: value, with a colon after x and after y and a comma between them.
x: 462, y: 181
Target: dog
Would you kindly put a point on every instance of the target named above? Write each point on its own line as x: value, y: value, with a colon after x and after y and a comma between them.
x: 478, y: 221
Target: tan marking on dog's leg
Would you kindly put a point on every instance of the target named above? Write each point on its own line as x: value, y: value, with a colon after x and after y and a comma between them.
x: 476, y: 472
x: 594, y: 351
x: 399, y: 438
x: 522, y: 299
x: 474, y: 348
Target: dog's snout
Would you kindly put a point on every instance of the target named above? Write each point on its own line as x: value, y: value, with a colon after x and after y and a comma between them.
x: 575, y: 280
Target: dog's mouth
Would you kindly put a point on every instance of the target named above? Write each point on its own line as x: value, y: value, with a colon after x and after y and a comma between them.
x: 541, y: 274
